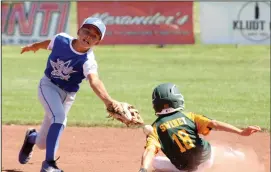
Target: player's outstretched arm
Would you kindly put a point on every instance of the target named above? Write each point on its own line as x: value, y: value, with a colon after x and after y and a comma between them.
x: 36, y: 46
x: 98, y: 87
x: 146, y: 159
x: 222, y: 126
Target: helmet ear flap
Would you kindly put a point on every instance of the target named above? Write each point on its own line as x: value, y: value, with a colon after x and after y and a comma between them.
x: 156, y: 105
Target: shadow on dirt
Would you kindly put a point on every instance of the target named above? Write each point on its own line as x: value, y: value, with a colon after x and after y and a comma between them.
x: 11, y: 170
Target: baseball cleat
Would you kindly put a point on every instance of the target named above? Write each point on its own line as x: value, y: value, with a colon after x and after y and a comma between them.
x: 50, y: 166
x: 27, y: 148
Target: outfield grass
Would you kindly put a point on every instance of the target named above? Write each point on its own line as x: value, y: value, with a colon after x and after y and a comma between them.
x: 221, y: 81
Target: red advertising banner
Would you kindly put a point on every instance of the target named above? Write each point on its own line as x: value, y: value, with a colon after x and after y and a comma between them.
x: 28, y: 22
x: 142, y: 22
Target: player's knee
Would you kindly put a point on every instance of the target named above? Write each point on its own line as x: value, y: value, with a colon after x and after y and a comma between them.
x: 60, y: 118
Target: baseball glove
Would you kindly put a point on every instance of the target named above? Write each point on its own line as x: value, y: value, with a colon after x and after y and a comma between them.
x: 125, y: 113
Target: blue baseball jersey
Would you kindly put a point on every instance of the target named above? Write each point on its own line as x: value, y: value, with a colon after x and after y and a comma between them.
x: 66, y: 67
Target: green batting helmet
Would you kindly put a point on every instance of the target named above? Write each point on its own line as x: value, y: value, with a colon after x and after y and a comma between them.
x: 166, y: 98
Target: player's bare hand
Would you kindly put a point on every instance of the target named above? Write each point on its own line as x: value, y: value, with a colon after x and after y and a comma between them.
x: 30, y: 47
x: 250, y: 130
x: 115, y: 105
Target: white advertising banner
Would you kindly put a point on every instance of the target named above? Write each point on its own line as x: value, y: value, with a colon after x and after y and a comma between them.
x: 235, y: 22
x: 28, y: 22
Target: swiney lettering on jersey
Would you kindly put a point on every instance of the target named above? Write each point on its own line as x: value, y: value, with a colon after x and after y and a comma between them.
x: 172, y: 123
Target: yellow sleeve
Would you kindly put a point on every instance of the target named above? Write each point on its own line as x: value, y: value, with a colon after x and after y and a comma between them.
x: 201, y: 122
x: 152, y: 141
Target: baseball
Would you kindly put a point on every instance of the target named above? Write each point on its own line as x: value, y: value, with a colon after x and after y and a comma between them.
x: 147, y: 129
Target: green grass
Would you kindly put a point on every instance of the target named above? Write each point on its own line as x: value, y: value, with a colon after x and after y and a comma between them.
x: 224, y: 82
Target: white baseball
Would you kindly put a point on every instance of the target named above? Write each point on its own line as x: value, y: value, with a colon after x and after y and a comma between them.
x: 147, y: 129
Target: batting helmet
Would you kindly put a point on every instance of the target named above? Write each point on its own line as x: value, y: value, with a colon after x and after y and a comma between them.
x: 166, y: 98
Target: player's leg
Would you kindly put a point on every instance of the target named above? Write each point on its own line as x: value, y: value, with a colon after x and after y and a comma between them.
x: 42, y: 133
x: 67, y: 103
x: 33, y: 137
x: 56, y: 103
x: 54, y: 132
x: 52, y: 99
x: 163, y: 164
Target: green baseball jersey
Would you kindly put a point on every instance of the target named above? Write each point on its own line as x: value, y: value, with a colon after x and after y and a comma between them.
x: 177, y: 135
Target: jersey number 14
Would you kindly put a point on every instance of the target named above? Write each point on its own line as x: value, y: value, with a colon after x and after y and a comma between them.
x: 183, y: 140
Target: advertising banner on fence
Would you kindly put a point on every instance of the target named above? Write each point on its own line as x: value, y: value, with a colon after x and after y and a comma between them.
x: 28, y: 22
x: 235, y: 22
x: 144, y: 22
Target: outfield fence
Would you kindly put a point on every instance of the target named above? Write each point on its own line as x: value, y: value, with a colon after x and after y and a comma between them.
x: 141, y: 22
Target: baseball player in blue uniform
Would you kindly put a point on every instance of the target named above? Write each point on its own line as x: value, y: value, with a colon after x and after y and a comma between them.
x: 71, y: 60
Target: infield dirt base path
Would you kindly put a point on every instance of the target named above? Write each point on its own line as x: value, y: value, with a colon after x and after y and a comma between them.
x: 114, y: 149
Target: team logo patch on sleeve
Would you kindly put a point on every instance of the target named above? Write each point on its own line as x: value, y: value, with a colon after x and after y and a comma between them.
x: 61, y: 69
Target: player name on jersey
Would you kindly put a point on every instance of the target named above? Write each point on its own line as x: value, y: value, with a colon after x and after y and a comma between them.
x: 173, y: 123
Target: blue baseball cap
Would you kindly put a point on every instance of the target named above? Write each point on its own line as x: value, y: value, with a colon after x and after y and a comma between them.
x: 96, y: 22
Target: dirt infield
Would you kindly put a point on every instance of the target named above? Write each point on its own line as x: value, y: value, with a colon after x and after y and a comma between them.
x: 113, y: 149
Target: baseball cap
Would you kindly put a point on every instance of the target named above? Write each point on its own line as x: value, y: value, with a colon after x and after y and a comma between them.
x: 96, y: 22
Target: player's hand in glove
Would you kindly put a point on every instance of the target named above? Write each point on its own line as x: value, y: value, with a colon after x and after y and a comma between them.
x: 124, y: 113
